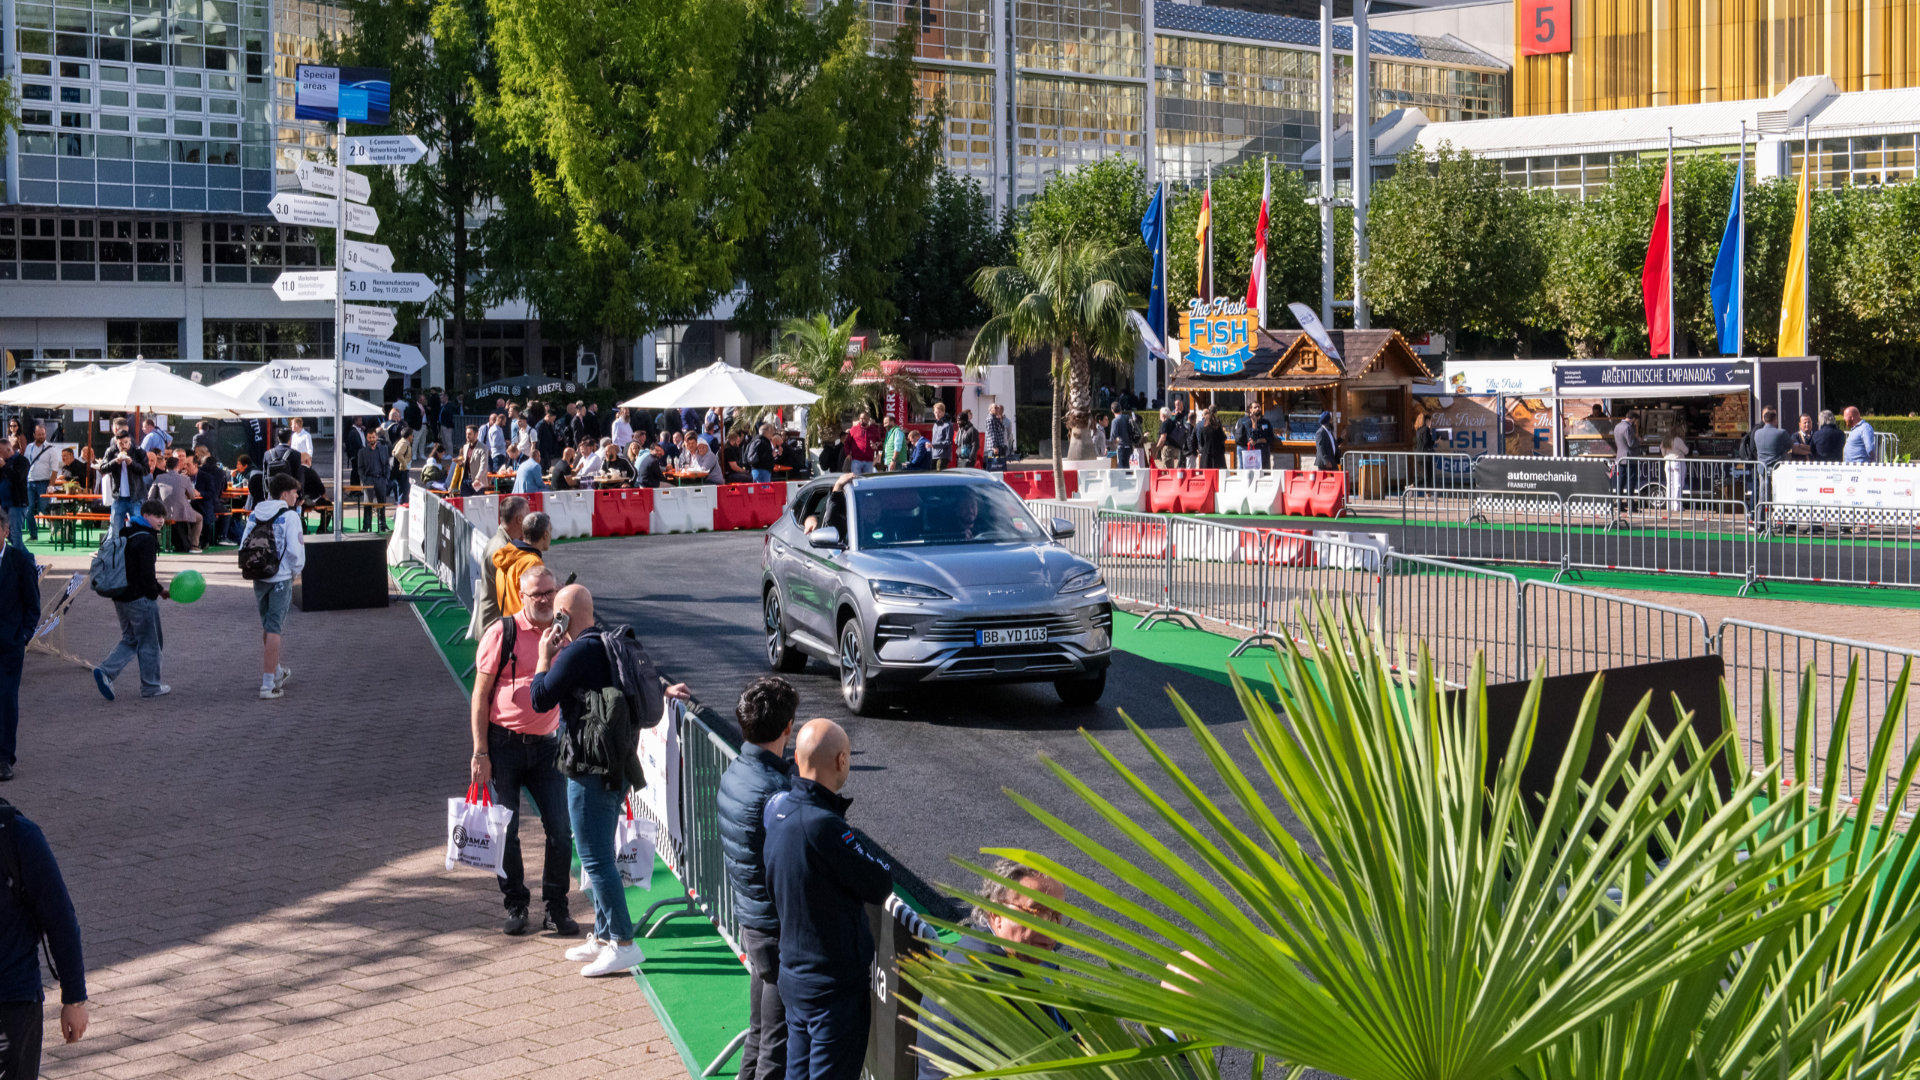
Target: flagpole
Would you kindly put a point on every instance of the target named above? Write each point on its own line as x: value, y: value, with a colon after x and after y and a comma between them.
x: 1266, y: 188
x: 1806, y: 244
x: 1673, y: 205
x: 1212, y: 288
x: 1166, y: 279
x: 1740, y: 254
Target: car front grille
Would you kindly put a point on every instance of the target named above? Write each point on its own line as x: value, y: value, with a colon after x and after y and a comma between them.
x: 962, y: 629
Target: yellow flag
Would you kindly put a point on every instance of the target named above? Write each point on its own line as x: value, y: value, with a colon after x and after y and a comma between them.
x: 1203, y: 275
x: 1793, y: 299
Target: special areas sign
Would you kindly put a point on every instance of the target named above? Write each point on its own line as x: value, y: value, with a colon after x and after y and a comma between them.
x: 1219, y: 336
x: 342, y: 93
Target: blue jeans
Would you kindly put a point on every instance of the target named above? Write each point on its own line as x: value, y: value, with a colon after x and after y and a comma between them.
x: 36, y: 500
x: 594, y: 811
x: 119, y: 512
x: 139, y: 639
x: 826, y: 1031
x: 762, y: 476
x: 530, y: 761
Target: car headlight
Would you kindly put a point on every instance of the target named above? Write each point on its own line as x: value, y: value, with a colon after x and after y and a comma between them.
x: 905, y: 590
x: 1084, y: 581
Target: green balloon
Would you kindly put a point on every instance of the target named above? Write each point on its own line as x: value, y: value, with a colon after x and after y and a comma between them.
x: 187, y: 586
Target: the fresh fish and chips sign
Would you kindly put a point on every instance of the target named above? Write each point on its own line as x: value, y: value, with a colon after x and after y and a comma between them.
x: 1219, y: 336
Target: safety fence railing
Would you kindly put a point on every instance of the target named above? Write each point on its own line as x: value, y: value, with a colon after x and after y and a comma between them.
x: 1457, y: 612
x: 1085, y: 540
x: 1573, y: 630
x: 1839, y: 545
x: 1706, y: 537
x: 1480, y: 526
x: 1376, y: 478
x: 1816, y: 667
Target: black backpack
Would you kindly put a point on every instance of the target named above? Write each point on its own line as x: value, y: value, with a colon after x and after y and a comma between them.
x: 605, y: 742
x: 278, y: 460
x: 260, y: 551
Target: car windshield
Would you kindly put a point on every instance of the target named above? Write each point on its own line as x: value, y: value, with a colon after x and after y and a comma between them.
x: 940, y: 514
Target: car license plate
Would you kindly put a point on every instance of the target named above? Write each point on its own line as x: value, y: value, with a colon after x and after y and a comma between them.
x: 1018, y: 635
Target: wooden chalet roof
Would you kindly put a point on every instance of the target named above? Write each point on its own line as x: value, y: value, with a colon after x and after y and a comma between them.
x: 1289, y: 360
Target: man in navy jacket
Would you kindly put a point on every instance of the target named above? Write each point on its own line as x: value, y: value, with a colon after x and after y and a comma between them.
x: 765, y: 714
x: 19, y: 616
x: 822, y: 877
x: 36, y: 905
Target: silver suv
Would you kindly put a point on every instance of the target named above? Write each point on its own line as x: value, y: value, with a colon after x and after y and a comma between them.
x: 919, y: 577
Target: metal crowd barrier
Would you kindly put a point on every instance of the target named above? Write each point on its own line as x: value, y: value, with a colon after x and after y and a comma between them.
x: 1688, y: 536
x: 1576, y: 630
x: 1754, y: 654
x: 1133, y: 555
x: 1839, y: 545
x: 1376, y: 478
x: 1458, y: 612
x: 1484, y: 526
x: 1085, y: 541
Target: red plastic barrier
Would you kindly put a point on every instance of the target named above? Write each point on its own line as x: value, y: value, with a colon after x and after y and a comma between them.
x: 747, y: 506
x: 533, y: 501
x: 1278, y: 547
x: 1309, y: 493
x: 1136, y: 539
x: 453, y: 502
x: 1038, y: 483
x: 622, y: 511
x: 1197, y: 489
x: 1163, y: 491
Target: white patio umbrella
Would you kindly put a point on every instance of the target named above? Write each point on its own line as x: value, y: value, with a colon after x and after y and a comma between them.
x: 269, y: 397
x: 136, y: 386
x: 722, y: 386
x: 27, y: 394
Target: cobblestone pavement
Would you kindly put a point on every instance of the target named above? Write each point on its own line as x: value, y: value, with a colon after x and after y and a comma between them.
x: 260, y: 883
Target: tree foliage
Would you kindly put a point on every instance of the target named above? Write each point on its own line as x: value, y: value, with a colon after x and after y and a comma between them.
x: 1099, y: 204
x: 957, y: 236
x: 812, y: 353
x: 1293, y: 240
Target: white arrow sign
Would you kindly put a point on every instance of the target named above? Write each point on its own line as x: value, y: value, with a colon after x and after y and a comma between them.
x: 369, y: 321
x: 375, y: 258
x: 325, y: 179
x: 321, y: 213
x: 304, y: 285
x: 383, y: 150
x: 319, y: 373
x: 391, y: 355
x: 392, y: 288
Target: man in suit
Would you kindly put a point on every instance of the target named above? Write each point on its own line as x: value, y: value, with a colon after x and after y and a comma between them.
x: 19, y: 616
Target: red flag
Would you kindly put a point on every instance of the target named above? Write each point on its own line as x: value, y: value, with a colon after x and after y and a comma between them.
x: 1655, y: 275
x: 1257, y: 279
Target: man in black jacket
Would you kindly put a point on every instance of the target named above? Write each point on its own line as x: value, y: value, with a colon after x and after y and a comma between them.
x: 651, y: 472
x: 38, y: 906
x: 765, y: 714
x: 544, y: 435
x: 136, y: 607
x: 821, y: 877
x: 123, y: 473
x: 19, y: 618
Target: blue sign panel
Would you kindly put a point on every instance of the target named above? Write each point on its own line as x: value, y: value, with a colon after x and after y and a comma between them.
x: 342, y: 93
x: 1219, y: 336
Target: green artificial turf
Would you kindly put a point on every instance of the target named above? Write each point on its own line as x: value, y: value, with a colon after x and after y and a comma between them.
x: 694, y: 981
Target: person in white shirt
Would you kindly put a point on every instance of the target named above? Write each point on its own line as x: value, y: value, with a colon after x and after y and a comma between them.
x: 41, y: 460
x: 274, y: 594
x: 1674, y: 450
x: 698, y: 455
x: 593, y: 459
x: 302, y: 442
x: 495, y: 438
x: 622, y: 433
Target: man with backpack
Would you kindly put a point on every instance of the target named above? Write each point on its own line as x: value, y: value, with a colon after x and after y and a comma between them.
x: 282, y: 459
x: 34, y: 909
x: 606, y: 690
x: 123, y: 571
x: 271, y: 553
x: 516, y: 746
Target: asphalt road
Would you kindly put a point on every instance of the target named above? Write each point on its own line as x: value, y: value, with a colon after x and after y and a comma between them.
x: 928, y: 778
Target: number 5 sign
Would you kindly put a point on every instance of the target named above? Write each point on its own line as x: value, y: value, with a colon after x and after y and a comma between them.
x: 1546, y: 26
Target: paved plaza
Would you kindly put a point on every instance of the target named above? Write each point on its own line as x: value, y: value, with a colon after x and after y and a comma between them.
x: 260, y: 883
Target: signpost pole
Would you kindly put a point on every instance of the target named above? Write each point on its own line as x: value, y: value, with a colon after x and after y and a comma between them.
x: 340, y: 327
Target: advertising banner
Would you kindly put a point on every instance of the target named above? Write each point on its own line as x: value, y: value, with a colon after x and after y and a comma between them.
x: 1872, y: 487
x: 449, y: 560
x: 660, y: 763
x: 342, y: 93
x: 1218, y: 335
x: 1554, y: 476
x: 430, y: 531
x: 897, y: 932
x: 1651, y: 378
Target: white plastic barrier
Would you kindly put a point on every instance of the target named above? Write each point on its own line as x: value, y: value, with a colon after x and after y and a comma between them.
x: 482, y: 512
x: 1205, y: 541
x: 1239, y: 492
x: 1368, y: 553
x: 1268, y: 487
x: 571, y: 511
x: 683, y: 509
x: 1115, y: 489
x: 417, y: 523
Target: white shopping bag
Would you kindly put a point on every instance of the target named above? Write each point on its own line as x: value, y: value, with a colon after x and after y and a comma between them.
x: 633, y: 842
x: 477, y: 832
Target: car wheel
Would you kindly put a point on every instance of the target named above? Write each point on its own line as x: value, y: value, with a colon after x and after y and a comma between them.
x: 780, y: 655
x: 1082, y: 691
x: 855, y: 689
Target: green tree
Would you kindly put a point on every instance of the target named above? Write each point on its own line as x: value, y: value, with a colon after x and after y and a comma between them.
x: 1071, y: 299
x: 957, y: 236
x: 1293, y: 240
x: 1453, y: 247
x: 1426, y: 919
x: 442, y: 70
x: 1100, y: 204
x: 812, y: 353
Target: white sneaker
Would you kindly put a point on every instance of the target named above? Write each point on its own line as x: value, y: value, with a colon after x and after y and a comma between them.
x: 271, y: 693
x: 614, y: 959
x: 586, y: 950
x: 280, y: 677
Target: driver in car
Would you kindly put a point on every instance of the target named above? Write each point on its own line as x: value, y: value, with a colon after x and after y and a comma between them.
x: 836, y: 508
x: 966, y: 515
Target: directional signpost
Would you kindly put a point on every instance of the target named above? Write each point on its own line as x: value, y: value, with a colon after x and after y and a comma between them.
x: 366, y: 258
x: 369, y: 321
x: 362, y: 271
x: 391, y: 355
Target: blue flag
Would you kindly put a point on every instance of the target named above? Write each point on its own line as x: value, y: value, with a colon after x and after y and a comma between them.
x: 1153, y: 229
x: 1729, y: 273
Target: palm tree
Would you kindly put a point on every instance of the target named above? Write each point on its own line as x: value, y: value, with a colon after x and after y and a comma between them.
x: 1071, y: 299
x: 813, y: 354
x: 1430, y: 925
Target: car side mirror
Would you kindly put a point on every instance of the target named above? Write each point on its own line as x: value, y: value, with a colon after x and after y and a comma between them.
x: 1062, y: 529
x: 826, y: 536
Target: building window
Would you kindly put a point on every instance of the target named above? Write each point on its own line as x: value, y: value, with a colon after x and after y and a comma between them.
x: 1081, y: 37
x: 88, y: 249
x: 242, y: 252
x: 968, y: 139
x: 256, y: 341
x: 154, y: 339
x: 495, y: 349
x: 944, y: 29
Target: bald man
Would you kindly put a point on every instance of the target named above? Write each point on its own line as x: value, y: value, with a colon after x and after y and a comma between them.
x: 577, y: 662
x: 821, y: 878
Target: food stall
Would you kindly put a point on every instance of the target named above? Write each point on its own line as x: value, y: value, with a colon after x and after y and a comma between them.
x: 1491, y: 407
x: 951, y: 384
x: 1366, y: 381
x: 1708, y: 401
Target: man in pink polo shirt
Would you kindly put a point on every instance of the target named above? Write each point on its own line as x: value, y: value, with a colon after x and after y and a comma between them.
x: 863, y: 439
x: 515, y: 746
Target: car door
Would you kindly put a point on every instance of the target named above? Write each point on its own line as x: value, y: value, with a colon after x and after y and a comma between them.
x: 808, y: 576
